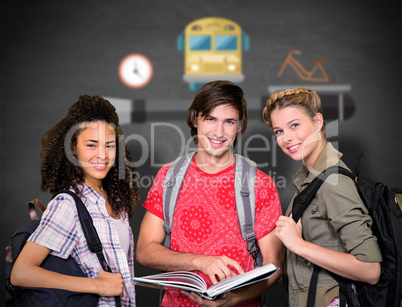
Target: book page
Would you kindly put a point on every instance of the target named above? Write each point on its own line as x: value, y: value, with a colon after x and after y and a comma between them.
x: 181, y: 279
x: 242, y: 280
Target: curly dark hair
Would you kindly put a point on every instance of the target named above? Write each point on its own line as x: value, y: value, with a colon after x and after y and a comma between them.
x: 58, y: 172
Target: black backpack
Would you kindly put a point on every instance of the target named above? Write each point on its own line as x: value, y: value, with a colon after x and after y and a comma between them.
x: 40, y: 297
x: 386, y: 214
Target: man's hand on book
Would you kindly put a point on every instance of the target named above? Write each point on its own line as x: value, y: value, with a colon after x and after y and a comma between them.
x: 218, y: 267
x: 222, y: 301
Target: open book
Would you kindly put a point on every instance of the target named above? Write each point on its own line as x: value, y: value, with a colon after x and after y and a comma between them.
x: 192, y: 282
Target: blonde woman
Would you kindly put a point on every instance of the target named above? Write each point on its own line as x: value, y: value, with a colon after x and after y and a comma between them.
x: 334, y: 231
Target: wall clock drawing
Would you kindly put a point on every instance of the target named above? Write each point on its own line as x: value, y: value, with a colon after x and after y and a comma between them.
x: 135, y: 70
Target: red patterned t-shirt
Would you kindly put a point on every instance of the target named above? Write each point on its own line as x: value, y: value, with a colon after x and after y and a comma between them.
x: 205, y: 219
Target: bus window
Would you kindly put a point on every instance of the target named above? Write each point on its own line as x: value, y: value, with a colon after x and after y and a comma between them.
x: 200, y: 42
x: 225, y: 42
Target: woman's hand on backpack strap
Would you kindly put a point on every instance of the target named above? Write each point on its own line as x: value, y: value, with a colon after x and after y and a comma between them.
x: 110, y: 284
x: 289, y: 233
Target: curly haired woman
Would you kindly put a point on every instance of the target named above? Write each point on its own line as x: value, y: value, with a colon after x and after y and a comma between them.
x: 333, y: 232
x: 85, y: 153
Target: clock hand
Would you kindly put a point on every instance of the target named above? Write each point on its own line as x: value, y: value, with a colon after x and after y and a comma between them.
x: 136, y: 70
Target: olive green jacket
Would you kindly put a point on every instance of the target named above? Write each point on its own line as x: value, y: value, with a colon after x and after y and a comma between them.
x: 335, y: 219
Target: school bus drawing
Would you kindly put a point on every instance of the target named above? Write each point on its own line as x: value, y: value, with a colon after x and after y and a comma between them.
x: 212, y: 51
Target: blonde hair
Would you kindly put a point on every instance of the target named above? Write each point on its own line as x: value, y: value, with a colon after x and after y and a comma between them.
x: 302, y: 97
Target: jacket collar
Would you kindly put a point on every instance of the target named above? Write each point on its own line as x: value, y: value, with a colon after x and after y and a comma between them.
x: 329, y: 156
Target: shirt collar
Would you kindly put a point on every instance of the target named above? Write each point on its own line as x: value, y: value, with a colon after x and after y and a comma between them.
x: 90, y: 194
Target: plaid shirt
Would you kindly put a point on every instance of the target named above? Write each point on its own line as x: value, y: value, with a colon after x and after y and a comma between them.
x: 60, y: 231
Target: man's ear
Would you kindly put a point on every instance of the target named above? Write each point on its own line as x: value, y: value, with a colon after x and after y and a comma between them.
x: 195, y: 121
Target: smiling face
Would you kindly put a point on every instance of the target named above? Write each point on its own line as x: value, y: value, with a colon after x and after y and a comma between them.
x: 297, y: 134
x: 96, y: 151
x: 216, y: 133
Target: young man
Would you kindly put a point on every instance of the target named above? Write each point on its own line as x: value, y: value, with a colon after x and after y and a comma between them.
x: 206, y: 235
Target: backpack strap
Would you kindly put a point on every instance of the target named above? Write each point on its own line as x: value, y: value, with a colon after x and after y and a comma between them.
x: 245, y: 176
x: 300, y: 203
x: 32, y: 205
x: 303, y: 199
x: 91, y: 235
x: 173, y: 182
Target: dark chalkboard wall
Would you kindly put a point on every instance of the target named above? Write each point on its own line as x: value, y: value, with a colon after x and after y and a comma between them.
x: 54, y: 51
